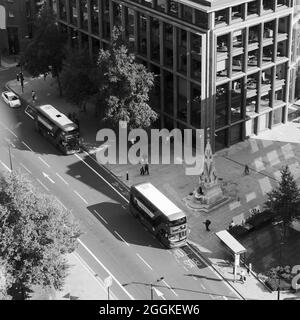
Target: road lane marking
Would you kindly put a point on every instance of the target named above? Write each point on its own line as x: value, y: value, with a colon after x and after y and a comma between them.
x: 61, y: 178
x: 103, y: 266
x: 62, y: 204
x: 41, y: 183
x: 81, y: 197
x: 99, y: 215
x: 44, y: 161
x: 185, y: 268
x: 5, y: 166
x: 120, y: 194
x: 170, y: 288
x: 25, y: 167
x: 27, y: 146
x: 121, y: 238
x: 93, y: 274
x: 203, y: 286
x: 48, y: 177
x: 4, y: 126
x: 225, y: 298
x: 144, y: 261
x: 215, y: 272
x: 195, y: 278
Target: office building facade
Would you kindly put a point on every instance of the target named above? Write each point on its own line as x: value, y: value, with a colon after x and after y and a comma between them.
x: 223, y: 65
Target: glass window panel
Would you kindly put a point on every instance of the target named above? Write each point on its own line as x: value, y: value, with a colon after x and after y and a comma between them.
x: 117, y: 14
x: 237, y: 92
x: 196, y: 57
x: 73, y: 12
x: 187, y: 13
x: 221, y: 105
x: 62, y: 10
x: 173, y: 10
x: 161, y: 5
x: 182, y: 99
x: 168, y: 45
x: 155, y: 92
x: 221, y: 139
x: 130, y: 35
x: 182, y: 51
x: 195, y: 105
x: 83, y: 14
x: 106, y: 20
x: 94, y: 16
x: 142, y: 29
x: 201, y: 19
x: 168, y: 92
x: 154, y: 35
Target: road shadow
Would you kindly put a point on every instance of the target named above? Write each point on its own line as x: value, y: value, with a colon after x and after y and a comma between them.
x: 114, y: 216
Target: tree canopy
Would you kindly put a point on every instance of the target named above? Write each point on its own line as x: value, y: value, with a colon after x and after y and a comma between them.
x: 46, y: 51
x: 125, y: 87
x: 80, y: 76
x: 283, y: 199
x: 35, y: 234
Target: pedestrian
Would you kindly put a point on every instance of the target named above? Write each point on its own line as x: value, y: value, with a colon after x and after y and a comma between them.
x: 249, y: 268
x: 146, y: 168
x: 33, y: 95
x: 18, y: 77
x: 142, y: 171
x: 207, y: 224
x: 247, y: 171
x: 242, y: 276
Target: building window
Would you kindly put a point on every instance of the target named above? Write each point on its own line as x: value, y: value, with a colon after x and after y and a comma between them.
x: 277, y: 116
x: 94, y: 16
x: 173, y: 10
x: 11, y: 14
x: 237, y: 97
x: 252, y: 8
x: 84, y: 41
x: 168, y: 45
x: 95, y: 48
x: 221, y: 139
x: 201, y: 19
x: 142, y: 29
x: 195, y: 105
x: 83, y: 15
x: 237, y: 64
x: 182, y: 51
x: 236, y: 133
x: 73, y: 12
x: 106, y: 20
x: 221, y: 17
x: 62, y: 10
x: 117, y: 14
x: 222, y: 94
x: 196, y: 57
x: 154, y: 39
x: 182, y: 99
x: 187, y: 14
x: 161, y: 5
x: 237, y: 13
x: 168, y: 93
x: 129, y: 28
x: 155, y: 92
x: 268, y: 5
x: 147, y: 3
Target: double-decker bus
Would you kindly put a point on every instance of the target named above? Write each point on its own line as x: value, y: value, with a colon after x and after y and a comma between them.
x: 159, y: 214
x: 56, y: 127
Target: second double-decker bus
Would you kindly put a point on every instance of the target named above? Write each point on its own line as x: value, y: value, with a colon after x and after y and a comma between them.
x: 159, y: 214
x: 56, y: 127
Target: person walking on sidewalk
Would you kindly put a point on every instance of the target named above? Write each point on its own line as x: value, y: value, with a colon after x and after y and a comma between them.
x: 33, y: 96
x: 142, y: 171
x: 207, y: 224
x: 146, y: 168
x: 247, y: 170
x: 242, y: 276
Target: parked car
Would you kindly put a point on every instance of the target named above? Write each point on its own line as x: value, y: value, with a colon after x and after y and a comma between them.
x: 11, y: 99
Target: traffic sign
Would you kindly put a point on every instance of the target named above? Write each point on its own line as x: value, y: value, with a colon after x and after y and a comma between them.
x: 108, y: 282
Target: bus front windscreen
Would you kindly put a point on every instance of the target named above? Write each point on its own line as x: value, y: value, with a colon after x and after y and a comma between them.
x: 177, y: 222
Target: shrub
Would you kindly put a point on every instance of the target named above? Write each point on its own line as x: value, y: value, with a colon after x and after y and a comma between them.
x: 237, y: 231
x: 273, y: 284
x: 260, y: 219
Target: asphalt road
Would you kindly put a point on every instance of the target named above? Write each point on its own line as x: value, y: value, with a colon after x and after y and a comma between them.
x: 113, y: 242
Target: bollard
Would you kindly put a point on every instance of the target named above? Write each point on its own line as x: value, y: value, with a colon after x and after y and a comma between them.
x: 127, y: 177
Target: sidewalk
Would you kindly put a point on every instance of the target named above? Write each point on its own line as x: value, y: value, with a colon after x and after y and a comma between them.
x: 265, y: 155
x: 81, y: 284
x: 7, y: 62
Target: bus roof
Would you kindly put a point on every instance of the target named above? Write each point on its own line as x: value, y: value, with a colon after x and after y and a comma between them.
x: 61, y: 120
x: 160, y: 201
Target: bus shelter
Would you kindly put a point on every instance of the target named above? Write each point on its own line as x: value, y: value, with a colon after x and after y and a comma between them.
x: 233, y: 246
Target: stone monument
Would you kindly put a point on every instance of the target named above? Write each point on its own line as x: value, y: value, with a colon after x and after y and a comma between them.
x: 208, y: 195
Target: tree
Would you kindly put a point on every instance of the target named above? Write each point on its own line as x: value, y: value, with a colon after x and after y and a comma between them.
x: 125, y: 87
x: 35, y: 234
x: 46, y: 50
x: 80, y: 77
x: 283, y: 199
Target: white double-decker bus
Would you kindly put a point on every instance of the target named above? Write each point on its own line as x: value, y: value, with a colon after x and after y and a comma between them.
x: 56, y: 127
x: 159, y: 214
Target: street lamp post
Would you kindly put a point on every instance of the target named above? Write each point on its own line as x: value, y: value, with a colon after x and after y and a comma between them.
x: 153, y: 283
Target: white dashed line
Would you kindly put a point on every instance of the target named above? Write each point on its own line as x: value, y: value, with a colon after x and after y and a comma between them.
x: 185, y: 268
x: 81, y: 197
x: 62, y: 179
x: 170, y: 288
x: 5, y: 166
x: 144, y: 261
x: 122, y: 238
x: 120, y: 194
x: 27, y: 146
x: 25, y: 167
x: 195, y: 278
x: 103, y: 266
x: 44, y: 161
x: 62, y: 204
x: 99, y: 215
x: 203, y: 286
x: 41, y: 183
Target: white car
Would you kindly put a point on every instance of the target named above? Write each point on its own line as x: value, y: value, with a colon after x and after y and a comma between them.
x: 11, y: 99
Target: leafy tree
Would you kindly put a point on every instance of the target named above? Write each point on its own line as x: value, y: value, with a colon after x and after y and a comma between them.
x: 125, y: 87
x: 46, y: 50
x: 80, y: 77
x: 283, y: 199
x: 5, y: 280
x: 35, y: 234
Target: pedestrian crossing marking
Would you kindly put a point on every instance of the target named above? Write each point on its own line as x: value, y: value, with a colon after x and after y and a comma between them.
x: 287, y: 151
x: 258, y: 163
x: 265, y: 185
x: 273, y: 158
x: 250, y: 196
